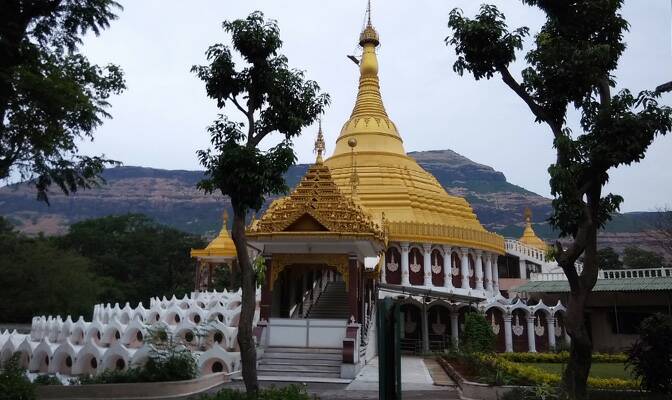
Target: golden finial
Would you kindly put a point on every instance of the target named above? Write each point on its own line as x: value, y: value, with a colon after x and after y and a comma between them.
x: 528, y: 215
x: 369, y: 34
x: 225, y: 218
x: 319, y: 144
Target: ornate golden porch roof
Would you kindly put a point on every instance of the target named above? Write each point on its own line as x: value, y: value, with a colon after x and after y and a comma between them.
x: 221, y: 247
x: 389, y: 181
x: 316, y: 207
x: 529, y: 237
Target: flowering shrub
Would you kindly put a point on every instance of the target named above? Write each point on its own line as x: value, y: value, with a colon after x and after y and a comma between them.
x: 561, y: 358
x: 529, y: 375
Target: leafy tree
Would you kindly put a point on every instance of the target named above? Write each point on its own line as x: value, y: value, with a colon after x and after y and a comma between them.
x: 51, y: 96
x: 635, y: 257
x: 478, y: 336
x: 571, y: 63
x: 607, y: 258
x: 272, y: 98
x: 138, y: 257
x: 650, y: 358
x: 14, y: 384
x: 37, y: 277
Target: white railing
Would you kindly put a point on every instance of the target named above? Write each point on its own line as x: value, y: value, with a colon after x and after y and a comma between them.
x: 608, y: 274
x: 520, y: 249
x: 548, y: 276
x: 635, y: 273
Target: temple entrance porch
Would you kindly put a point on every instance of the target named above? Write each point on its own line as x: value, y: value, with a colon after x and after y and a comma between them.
x: 302, y: 291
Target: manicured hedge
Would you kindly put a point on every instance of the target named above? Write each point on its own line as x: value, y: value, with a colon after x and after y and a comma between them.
x: 535, y: 376
x: 561, y: 357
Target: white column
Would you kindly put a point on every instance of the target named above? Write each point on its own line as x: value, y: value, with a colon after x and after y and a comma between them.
x: 427, y: 264
x: 488, y: 273
x: 522, y: 267
x: 479, y: 270
x: 447, y: 267
x: 495, y: 275
x: 454, y: 329
x: 530, y: 334
x: 550, y: 327
x: 508, y: 334
x: 383, y: 270
x: 404, y: 265
x: 465, y: 267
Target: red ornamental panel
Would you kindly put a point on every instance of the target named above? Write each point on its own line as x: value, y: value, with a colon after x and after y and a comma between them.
x: 416, y: 274
x: 437, y: 268
x: 472, y: 272
x: 560, y: 330
x: 393, y: 266
x: 457, y: 270
x: 496, y: 320
x: 540, y: 332
x: 519, y: 331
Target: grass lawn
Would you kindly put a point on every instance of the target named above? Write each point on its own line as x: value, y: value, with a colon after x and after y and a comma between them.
x: 598, y: 370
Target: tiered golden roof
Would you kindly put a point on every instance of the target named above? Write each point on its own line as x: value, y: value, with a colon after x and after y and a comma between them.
x: 529, y: 237
x: 220, y: 248
x: 417, y: 207
x: 316, y: 207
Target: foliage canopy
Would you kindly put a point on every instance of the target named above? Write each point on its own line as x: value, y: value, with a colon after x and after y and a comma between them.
x: 51, y: 96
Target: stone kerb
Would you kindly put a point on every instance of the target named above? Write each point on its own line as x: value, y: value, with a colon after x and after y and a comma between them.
x: 136, y: 391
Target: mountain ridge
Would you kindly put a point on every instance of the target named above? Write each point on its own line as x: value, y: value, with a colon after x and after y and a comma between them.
x: 171, y: 198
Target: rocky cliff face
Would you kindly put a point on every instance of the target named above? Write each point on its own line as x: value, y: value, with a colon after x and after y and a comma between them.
x: 171, y: 198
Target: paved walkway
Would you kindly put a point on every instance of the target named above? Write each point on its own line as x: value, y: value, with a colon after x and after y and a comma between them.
x: 416, y: 381
x: 414, y: 376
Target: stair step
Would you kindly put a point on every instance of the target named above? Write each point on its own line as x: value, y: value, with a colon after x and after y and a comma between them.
x: 296, y: 369
x: 294, y: 357
x: 320, y: 350
x: 282, y: 372
x: 306, y: 363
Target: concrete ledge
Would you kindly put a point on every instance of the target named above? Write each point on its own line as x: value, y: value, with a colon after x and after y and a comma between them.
x: 134, y: 391
x: 473, y: 390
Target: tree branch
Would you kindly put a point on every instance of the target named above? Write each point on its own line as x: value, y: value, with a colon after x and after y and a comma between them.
x: 534, y: 107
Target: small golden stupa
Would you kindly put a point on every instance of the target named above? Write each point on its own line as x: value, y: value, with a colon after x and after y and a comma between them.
x: 220, y: 249
x: 529, y: 237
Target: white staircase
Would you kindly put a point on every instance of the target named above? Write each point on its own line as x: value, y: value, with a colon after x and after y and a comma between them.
x: 299, y: 362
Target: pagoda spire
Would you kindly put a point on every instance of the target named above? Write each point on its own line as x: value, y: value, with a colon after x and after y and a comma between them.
x: 319, y: 144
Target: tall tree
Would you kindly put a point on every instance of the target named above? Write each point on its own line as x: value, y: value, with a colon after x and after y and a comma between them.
x: 571, y: 63
x: 137, y: 257
x: 51, y: 96
x: 272, y: 98
x: 635, y: 257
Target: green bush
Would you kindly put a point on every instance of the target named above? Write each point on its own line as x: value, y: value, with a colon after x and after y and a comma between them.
x: 650, y: 358
x: 478, y: 336
x: 291, y: 392
x: 562, y: 357
x: 47, y: 380
x: 168, y: 361
x: 14, y: 385
x: 540, y: 392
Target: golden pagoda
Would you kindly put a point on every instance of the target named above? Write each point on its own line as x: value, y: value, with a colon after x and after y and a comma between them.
x: 221, y: 250
x: 416, y: 206
x: 529, y: 237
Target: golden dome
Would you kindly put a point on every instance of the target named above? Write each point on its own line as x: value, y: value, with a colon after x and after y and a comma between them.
x: 529, y: 237
x: 220, y: 248
x: 416, y: 206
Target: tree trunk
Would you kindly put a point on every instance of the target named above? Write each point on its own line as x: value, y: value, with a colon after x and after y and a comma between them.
x: 248, y: 351
x: 575, y: 378
x: 580, y: 356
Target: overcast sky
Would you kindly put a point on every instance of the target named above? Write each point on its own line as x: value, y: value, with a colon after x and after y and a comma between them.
x: 160, y: 120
